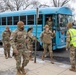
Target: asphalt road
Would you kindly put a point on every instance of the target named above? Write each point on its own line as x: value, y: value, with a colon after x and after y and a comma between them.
x: 61, y: 56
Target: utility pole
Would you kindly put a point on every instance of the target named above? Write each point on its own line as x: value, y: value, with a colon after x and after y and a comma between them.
x: 37, y: 16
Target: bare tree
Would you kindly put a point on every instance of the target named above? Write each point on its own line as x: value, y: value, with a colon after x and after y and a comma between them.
x: 60, y: 3
x: 36, y: 4
x: 15, y: 5
x: 1, y: 6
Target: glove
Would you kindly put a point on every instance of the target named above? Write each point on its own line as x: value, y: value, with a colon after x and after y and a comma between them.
x: 66, y: 49
x: 15, y: 52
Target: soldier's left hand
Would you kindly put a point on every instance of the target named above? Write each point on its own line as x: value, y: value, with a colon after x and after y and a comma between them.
x: 66, y: 49
x: 27, y: 40
x: 34, y: 37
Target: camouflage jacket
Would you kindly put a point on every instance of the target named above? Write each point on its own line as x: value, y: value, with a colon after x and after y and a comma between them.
x: 50, y: 24
x: 18, y: 39
x: 68, y: 39
x: 6, y: 36
x: 46, y: 37
x: 31, y: 38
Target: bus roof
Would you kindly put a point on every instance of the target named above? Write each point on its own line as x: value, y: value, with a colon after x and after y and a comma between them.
x: 48, y: 10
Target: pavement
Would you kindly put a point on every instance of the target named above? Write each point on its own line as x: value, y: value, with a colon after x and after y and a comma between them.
x: 8, y: 67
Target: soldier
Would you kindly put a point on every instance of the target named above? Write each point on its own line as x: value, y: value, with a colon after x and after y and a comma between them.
x: 71, y: 44
x: 18, y: 42
x: 6, y: 42
x: 49, y: 23
x: 31, y: 38
x: 46, y: 38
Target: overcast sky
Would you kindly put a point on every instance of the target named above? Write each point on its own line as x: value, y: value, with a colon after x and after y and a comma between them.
x: 48, y: 2
x: 45, y: 1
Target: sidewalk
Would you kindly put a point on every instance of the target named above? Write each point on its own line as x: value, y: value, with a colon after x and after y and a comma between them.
x: 7, y: 67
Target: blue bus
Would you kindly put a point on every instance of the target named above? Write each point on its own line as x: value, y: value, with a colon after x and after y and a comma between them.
x: 60, y: 17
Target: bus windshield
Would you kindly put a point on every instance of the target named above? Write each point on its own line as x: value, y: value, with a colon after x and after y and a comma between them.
x: 63, y: 20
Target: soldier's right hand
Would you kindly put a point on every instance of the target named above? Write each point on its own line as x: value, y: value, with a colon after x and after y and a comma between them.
x: 15, y: 52
x: 66, y: 49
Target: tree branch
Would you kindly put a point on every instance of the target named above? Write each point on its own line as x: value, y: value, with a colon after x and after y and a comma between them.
x: 66, y: 1
x: 54, y: 1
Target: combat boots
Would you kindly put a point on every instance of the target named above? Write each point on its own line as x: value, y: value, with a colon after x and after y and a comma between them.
x: 9, y: 55
x: 23, y: 71
x: 43, y: 57
x: 72, y: 68
x: 52, y: 60
x: 18, y: 72
x: 75, y: 70
x: 6, y: 57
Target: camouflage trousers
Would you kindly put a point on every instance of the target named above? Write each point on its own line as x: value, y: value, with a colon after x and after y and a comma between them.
x: 21, y: 54
x: 73, y: 55
x: 7, y: 49
x: 49, y: 47
x: 30, y: 48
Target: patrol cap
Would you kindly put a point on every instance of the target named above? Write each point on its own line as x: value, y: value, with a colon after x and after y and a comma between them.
x: 20, y: 23
x: 69, y: 25
x: 7, y: 26
x: 46, y: 26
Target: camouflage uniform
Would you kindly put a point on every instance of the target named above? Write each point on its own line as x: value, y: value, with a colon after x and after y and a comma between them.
x: 49, y: 23
x: 72, y: 50
x: 18, y: 42
x: 6, y: 42
x: 30, y: 43
x: 46, y: 38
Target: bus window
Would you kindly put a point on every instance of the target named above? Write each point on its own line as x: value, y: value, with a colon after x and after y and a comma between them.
x: 0, y: 21
x: 9, y: 20
x: 40, y: 19
x: 16, y: 19
x: 3, y: 20
x: 47, y: 18
x: 63, y: 20
x: 69, y: 18
x: 23, y: 18
x: 30, y: 19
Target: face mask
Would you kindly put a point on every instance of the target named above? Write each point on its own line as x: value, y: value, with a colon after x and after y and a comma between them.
x: 22, y: 28
x: 7, y: 29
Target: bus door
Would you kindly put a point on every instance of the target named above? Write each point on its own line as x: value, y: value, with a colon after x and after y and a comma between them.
x: 53, y: 19
x: 61, y: 31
